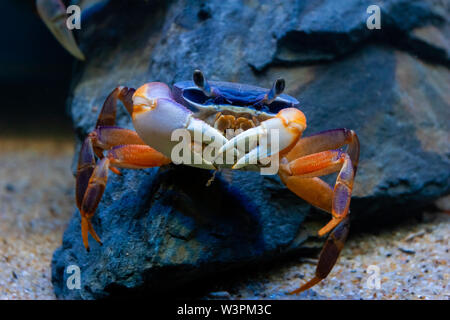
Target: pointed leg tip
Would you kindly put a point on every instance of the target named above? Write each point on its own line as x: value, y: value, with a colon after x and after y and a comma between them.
x: 116, y: 171
x: 304, y: 287
x: 296, y: 291
x: 311, y: 283
x: 329, y: 226
x: 321, y: 232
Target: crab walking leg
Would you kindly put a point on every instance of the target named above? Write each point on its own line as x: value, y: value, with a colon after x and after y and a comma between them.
x: 106, y: 135
x: 329, y: 255
x: 327, y: 140
x: 136, y: 157
x: 105, y: 138
x: 53, y: 13
x: 310, y: 157
x: 84, y: 189
x: 313, y: 190
x: 107, y: 116
x: 319, y: 164
x: 91, y: 199
x: 127, y: 156
x: 86, y: 165
x: 300, y: 176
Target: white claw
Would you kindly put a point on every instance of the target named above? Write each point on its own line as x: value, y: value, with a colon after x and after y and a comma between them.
x: 238, y: 141
x: 272, y: 137
x: 250, y: 158
x: 202, y: 132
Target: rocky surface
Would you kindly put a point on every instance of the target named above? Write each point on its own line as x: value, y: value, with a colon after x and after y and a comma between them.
x: 163, y: 228
x: 36, y: 193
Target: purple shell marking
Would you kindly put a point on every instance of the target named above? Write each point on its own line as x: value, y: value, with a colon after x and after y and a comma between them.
x: 237, y: 94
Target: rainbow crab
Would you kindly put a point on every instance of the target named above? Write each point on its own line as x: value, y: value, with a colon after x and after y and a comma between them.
x: 209, y: 110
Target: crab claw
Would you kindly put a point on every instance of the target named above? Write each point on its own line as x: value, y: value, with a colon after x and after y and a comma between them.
x: 156, y: 115
x: 53, y: 13
x: 288, y: 124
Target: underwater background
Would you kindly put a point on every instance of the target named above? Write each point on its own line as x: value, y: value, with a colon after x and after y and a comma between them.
x: 245, y: 236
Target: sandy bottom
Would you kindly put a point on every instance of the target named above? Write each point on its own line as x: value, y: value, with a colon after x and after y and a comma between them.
x: 407, y: 262
x: 37, y: 200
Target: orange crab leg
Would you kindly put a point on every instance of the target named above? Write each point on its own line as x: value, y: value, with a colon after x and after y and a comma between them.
x: 300, y: 169
x: 313, y: 190
x: 91, y: 199
x: 136, y: 157
x: 320, y: 164
x: 127, y: 156
x: 86, y: 187
x: 106, y: 138
x: 106, y: 135
x: 327, y: 140
x: 126, y: 150
x: 318, y: 193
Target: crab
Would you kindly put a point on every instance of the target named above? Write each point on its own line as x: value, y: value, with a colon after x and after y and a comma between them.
x: 211, y: 109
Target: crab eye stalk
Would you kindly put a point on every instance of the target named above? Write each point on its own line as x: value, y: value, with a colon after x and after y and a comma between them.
x: 279, y: 85
x: 201, y: 82
x: 277, y: 89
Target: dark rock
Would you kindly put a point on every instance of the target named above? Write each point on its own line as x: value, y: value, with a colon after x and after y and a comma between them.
x: 162, y: 228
